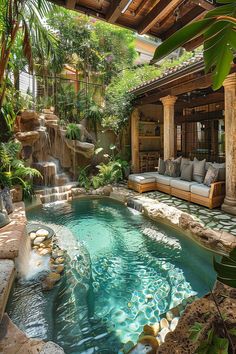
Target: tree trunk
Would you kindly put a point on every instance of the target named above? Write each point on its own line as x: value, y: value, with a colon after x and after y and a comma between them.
x: 16, y: 75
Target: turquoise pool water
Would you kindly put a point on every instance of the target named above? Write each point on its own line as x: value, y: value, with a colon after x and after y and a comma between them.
x: 125, y: 272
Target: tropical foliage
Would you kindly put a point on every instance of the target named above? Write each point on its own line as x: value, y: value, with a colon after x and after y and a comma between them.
x: 13, y: 169
x: 21, y: 30
x: 118, y: 100
x: 90, y: 45
x: 111, y: 171
x: 213, y: 343
x: 226, y: 269
x: 218, y: 29
x: 73, y: 132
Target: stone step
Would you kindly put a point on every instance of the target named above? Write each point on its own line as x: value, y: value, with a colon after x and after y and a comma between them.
x: 7, y: 277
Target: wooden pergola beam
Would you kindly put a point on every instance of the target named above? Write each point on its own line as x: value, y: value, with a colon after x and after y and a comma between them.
x: 189, y: 17
x: 175, y: 90
x: 194, y: 43
x: 115, y: 10
x: 214, y: 97
x: 161, y: 9
x: 198, y: 117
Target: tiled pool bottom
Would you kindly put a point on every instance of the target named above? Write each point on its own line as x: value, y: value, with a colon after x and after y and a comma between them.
x: 212, y: 218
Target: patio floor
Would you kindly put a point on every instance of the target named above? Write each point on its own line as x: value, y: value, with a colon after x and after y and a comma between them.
x: 211, y: 218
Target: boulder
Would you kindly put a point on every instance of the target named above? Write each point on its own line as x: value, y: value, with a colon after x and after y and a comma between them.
x: 38, y: 240
x: 27, y: 138
x: 151, y: 330
x: 50, y: 280
x: 32, y: 235
x: 77, y: 191
x: 42, y: 233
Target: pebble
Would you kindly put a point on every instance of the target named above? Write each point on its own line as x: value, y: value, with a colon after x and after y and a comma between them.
x: 44, y: 252
x: 42, y: 233
x: 174, y: 323
x: 162, y: 334
x: 38, y: 240
x: 58, y: 268
x: 32, y: 235
x: 164, y: 323
x: 59, y: 260
x: 169, y: 316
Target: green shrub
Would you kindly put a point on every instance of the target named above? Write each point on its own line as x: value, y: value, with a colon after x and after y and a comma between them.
x: 13, y: 170
x: 83, y: 178
x: 73, y: 132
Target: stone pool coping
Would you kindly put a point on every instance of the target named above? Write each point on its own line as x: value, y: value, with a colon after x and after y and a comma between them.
x: 219, y: 241
x: 12, y: 240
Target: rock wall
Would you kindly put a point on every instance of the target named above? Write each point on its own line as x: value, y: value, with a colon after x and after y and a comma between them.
x: 42, y: 138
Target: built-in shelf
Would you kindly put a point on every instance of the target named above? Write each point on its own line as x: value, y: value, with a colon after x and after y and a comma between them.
x: 149, y: 137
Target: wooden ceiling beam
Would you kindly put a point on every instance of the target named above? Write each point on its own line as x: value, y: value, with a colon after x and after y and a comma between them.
x: 194, y: 43
x: 214, y: 97
x: 189, y: 17
x: 204, y: 4
x: 161, y: 9
x: 199, y: 117
x: 188, y: 86
x: 143, y: 4
x: 115, y: 10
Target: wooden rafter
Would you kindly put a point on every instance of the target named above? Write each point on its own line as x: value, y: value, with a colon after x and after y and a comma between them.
x: 115, y: 10
x: 161, y: 9
x: 144, y: 4
x: 194, y: 43
x: 189, y: 17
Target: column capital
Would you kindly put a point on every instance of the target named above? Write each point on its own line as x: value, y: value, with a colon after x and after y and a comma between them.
x: 168, y: 100
x: 230, y: 81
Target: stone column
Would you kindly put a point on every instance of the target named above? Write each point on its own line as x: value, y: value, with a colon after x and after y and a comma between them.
x: 229, y: 204
x: 169, y: 126
x: 135, y: 140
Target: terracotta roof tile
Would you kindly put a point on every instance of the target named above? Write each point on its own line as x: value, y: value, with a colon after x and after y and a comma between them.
x: 196, y: 58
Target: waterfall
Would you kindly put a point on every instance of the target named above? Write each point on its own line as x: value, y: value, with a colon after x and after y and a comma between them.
x: 55, y: 194
x: 29, y: 264
x: 135, y: 204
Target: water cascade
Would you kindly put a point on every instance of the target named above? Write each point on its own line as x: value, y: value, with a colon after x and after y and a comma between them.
x: 29, y: 264
x: 135, y: 204
x: 55, y: 194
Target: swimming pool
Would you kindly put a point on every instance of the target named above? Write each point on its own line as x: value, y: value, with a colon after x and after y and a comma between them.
x: 125, y: 272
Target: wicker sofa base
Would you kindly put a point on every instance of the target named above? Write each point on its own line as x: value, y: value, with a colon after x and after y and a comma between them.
x: 215, y: 199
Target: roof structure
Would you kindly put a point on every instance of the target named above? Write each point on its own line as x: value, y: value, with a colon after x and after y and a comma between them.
x: 188, y: 64
x: 159, y: 18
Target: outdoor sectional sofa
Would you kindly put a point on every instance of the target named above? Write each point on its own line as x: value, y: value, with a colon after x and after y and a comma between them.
x: 195, y: 192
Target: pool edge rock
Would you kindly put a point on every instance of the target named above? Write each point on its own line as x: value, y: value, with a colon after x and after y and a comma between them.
x: 13, y: 340
x: 205, y: 312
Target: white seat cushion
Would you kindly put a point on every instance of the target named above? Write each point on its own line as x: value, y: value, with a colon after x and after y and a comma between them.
x: 164, y: 179
x: 142, y: 178
x: 200, y: 189
x: 180, y: 184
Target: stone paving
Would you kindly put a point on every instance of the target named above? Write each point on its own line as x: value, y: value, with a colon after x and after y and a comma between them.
x: 211, y: 218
